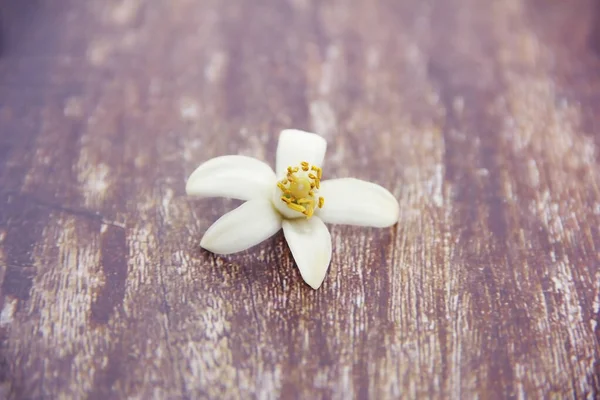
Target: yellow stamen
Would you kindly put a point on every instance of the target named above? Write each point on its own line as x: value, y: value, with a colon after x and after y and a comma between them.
x: 309, y: 212
x: 318, y: 170
x: 305, y: 201
x: 296, y: 207
x: 299, y: 189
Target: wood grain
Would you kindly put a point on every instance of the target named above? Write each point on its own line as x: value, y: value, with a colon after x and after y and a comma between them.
x: 482, y: 117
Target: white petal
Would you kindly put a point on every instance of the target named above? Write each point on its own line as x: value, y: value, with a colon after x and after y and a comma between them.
x: 242, y: 228
x: 354, y: 202
x: 296, y: 146
x: 236, y: 177
x: 310, y: 243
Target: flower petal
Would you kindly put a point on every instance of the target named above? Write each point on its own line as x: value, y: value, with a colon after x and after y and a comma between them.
x: 310, y: 243
x: 236, y: 177
x: 242, y: 228
x: 296, y: 146
x: 354, y: 202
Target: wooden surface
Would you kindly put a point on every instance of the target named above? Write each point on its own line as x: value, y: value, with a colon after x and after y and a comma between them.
x: 482, y: 117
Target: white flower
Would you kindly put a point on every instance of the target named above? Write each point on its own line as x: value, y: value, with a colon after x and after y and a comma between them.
x: 293, y: 198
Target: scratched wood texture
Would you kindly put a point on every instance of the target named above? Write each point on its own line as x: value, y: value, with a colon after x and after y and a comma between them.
x: 482, y: 117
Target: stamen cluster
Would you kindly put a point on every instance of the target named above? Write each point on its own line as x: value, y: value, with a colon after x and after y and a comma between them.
x: 299, y: 186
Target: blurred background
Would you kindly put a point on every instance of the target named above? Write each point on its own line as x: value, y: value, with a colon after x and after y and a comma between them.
x: 482, y: 117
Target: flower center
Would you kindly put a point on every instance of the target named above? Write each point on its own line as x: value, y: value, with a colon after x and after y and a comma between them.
x: 299, y: 186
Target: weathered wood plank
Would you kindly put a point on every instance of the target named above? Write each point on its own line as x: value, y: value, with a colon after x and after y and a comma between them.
x: 481, y: 117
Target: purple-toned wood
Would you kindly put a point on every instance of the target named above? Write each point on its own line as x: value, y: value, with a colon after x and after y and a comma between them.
x: 482, y: 117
